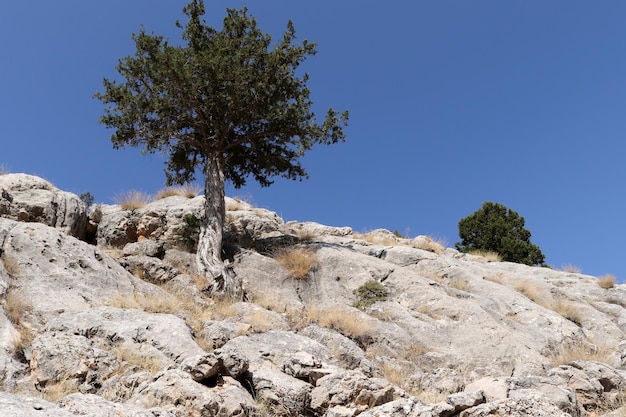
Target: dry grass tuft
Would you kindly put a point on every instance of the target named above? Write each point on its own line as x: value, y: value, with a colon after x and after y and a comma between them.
x: 572, y: 269
x: 237, y: 204
x: 15, y: 308
x: 62, y: 386
x: 401, y: 376
x: 607, y: 281
x: 298, y: 261
x: 489, y: 256
x: 134, y: 358
x: 460, y: 284
x: 132, y: 200
x: 347, y: 322
x: 580, y: 351
x: 568, y: 310
x: 498, y: 278
x: 187, y: 190
x: 429, y: 243
x: 11, y: 265
x: 530, y: 289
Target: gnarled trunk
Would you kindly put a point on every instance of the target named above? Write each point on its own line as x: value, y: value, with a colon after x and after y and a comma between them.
x: 222, y: 279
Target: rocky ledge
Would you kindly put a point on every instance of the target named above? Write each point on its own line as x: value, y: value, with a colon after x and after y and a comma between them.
x: 103, y: 314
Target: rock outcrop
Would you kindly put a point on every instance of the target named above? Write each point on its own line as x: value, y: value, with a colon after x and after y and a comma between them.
x: 121, y: 325
x: 27, y: 198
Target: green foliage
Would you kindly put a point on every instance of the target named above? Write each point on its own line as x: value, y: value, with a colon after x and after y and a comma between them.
x: 188, y: 233
x: 230, y: 95
x: 369, y: 293
x: 87, y: 198
x: 498, y: 229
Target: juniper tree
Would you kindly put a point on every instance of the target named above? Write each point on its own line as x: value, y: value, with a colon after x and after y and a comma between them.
x: 496, y: 228
x: 227, y: 104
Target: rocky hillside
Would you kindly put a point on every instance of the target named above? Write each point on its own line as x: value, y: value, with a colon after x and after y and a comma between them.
x: 102, y: 314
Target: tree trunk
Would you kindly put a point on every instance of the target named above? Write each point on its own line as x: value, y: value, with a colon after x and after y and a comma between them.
x: 222, y: 280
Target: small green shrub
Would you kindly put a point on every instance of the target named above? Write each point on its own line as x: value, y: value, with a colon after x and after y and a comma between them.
x: 369, y: 293
x: 87, y: 198
x: 189, y: 232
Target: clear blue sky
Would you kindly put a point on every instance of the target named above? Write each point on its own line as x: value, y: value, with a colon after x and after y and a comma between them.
x: 453, y: 103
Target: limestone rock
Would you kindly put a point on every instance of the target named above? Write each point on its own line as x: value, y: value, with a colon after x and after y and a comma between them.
x: 50, y: 272
x: 94, y: 405
x: 176, y: 389
x: 594, y: 383
x: 27, y: 198
x: 353, y: 388
x: 281, y: 394
x: 20, y: 406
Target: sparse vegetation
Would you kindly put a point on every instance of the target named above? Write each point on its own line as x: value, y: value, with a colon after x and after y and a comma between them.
x: 87, y: 198
x: 63, y: 385
x: 132, y: 357
x: 580, y: 351
x: 369, y: 293
x: 132, y: 200
x: 341, y: 319
x: 187, y: 190
x: 15, y: 308
x: 530, y: 289
x: 606, y: 281
x: 460, y: 284
x: 189, y: 232
x: 490, y: 256
x: 568, y: 309
x: 11, y: 265
x: 572, y: 269
x: 297, y: 261
x: 429, y: 243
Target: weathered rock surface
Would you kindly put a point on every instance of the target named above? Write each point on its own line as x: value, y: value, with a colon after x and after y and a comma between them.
x: 123, y: 327
x: 27, y: 198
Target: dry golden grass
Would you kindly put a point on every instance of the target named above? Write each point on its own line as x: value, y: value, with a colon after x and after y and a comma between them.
x: 606, y: 281
x: 236, y: 205
x: 297, y: 261
x: 187, y: 190
x: 304, y: 235
x: 489, y: 256
x: 580, y: 351
x: 460, y: 284
x: 11, y: 265
x: 132, y: 357
x: 498, y: 278
x: 431, y: 244
x: 530, y: 289
x: 573, y: 269
x: 15, y: 308
x: 401, y: 376
x: 377, y: 239
x: 62, y: 386
x: 131, y: 200
x: 568, y: 309
x: 347, y: 322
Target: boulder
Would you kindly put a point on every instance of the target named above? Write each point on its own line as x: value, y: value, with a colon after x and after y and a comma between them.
x: 27, y: 198
x: 352, y: 389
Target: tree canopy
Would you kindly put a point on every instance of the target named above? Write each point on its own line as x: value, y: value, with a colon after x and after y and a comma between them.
x: 498, y: 229
x: 229, y: 102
